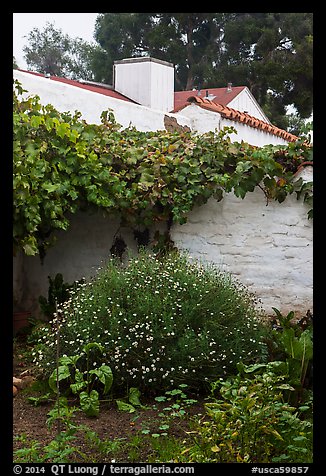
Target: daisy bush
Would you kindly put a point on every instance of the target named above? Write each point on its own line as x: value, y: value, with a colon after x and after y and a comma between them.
x: 161, y: 322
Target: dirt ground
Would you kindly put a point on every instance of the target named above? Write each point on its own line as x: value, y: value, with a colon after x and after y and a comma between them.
x: 31, y: 422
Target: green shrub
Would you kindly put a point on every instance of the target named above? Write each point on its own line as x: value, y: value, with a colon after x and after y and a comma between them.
x: 292, y: 341
x: 160, y: 322
x: 248, y: 421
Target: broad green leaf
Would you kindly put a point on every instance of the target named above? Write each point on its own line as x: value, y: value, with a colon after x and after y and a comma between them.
x: 36, y: 121
x: 62, y: 373
x: 69, y: 360
x: 62, y: 129
x: 92, y: 345
x: 160, y: 399
x: 77, y: 387
x: 105, y: 376
x: 215, y: 449
x: 30, y: 248
x: 125, y: 407
x: 285, y: 386
x: 133, y: 396
x: 50, y: 187
x: 253, y: 368
x: 90, y: 403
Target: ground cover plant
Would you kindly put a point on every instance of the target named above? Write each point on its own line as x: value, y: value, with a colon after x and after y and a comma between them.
x: 246, y: 418
x: 159, y: 322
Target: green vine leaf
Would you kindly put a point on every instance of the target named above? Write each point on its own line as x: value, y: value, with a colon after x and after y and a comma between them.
x: 62, y: 164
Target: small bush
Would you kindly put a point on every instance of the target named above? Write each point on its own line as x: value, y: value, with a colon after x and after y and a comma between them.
x: 248, y: 421
x: 160, y: 322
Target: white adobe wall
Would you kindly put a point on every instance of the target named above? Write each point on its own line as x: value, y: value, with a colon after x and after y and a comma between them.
x: 78, y: 253
x: 203, y: 121
x: 268, y: 248
x: 65, y: 97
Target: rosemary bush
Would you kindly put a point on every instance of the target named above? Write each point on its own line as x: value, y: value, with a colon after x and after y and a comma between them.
x: 160, y: 322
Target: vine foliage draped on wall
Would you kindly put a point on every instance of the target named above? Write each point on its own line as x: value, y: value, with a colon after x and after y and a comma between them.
x: 63, y: 164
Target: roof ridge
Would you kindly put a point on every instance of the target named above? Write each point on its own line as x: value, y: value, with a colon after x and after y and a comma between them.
x: 244, y: 117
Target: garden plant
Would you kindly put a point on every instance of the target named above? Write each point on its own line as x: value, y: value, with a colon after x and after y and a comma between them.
x: 159, y: 322
x: 248, y: 420
x: 160, y: 326
x: 62, y: 164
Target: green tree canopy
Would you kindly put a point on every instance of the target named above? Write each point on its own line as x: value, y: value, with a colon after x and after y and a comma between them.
x: 53, y: 52
x: 271, y: 53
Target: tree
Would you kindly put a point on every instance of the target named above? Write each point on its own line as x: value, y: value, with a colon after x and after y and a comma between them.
x: 51, y: 51
x: 120, y: 35
x: 271, y: 53
x: 185, y: 39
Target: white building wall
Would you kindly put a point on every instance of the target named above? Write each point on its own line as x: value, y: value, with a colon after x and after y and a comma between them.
x: 65, y: 97
x: 203, y: 121
x: 267, y: 248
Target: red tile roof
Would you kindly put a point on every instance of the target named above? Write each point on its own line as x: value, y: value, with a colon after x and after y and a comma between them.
x: 222, y: 96
x: 234, y: 115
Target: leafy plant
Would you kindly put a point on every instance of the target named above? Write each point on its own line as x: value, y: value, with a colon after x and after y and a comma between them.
x: 58, y: 293
x: 60, y: 448
x: 248, y: 421
x: 133, y: 399
x: 68, y: 371
x: 62, y: 164
x: 177, y: 400
x: 293, y: 342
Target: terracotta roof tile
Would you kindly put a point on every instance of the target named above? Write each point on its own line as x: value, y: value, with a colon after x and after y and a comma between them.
x: 234, y: 115
x: 222, y: 96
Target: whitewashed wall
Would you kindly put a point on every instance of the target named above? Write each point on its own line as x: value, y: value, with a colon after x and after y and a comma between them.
x: 267, y: 248
x: 65, y: 97
x: 203, y: 121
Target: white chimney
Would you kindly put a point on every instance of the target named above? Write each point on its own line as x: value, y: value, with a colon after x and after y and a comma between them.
x: 147, y: 81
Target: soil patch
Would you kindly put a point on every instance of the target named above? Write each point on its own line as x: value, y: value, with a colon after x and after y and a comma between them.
x: 111, y: 424
x: 122, y: 429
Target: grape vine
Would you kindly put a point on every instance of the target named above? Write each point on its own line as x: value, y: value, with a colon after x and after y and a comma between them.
x: 63, y: 164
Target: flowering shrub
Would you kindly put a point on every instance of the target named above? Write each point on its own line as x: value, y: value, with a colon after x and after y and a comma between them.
x: 160, y: 322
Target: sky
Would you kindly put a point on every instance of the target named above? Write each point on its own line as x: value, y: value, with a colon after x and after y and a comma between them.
x: 75, y: 25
